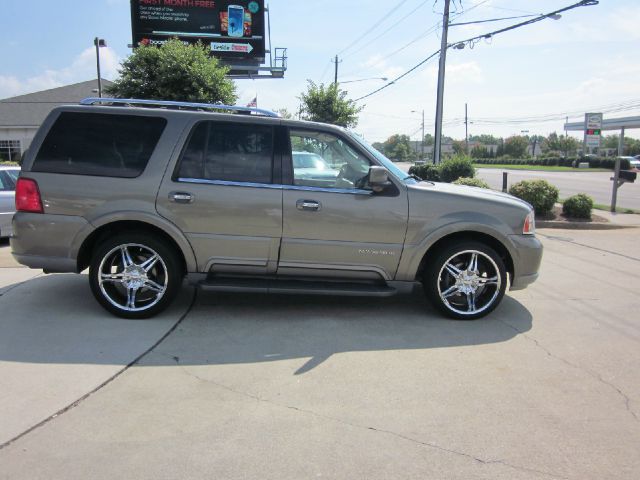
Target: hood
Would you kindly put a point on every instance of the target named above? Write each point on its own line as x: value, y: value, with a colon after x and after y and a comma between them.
x: 483, y: 194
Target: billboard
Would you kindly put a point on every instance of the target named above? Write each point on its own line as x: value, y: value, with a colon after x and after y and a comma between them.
x: 234, y: 29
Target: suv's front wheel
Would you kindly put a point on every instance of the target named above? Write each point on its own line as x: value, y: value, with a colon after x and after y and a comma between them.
x: 133, y: 275
x: 465, y: 280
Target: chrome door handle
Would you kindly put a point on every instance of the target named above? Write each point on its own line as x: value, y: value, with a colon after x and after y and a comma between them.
x: 309, y: 205
x: 181, y: 197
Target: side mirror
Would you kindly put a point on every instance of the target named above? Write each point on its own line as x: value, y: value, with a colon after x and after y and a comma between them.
x: 378, y: 178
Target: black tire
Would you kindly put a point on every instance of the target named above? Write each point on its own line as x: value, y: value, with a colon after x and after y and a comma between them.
x: 146, y: 286
x: 458, y: 290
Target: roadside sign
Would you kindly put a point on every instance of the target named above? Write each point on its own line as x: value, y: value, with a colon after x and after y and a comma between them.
x: 592, y: 130
x: 231, y: 47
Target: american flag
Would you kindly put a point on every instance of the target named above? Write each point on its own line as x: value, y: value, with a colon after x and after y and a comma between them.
x: 253, y: 103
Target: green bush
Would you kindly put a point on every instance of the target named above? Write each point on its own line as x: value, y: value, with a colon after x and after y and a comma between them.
x: 455, y: 168
x: 472, y: 182
x: 539, y: 193
x: 578, y: 206
x: 427, y: 172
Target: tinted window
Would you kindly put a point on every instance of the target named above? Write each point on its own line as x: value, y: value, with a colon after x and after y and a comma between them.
x: 231, y: 152
x: 99, y: 144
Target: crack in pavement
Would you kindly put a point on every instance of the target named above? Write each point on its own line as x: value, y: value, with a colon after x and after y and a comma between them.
x: 591, y: 373
x: 361, y: 427
x: 573, y: 242
x: 109, y: 380
x: 13, y: 287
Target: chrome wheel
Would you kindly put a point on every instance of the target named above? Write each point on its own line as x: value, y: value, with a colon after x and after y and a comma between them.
x: 469, y: 283
x: 133, y: 277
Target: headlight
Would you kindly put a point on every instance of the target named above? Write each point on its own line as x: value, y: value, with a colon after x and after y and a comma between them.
x: 529, y: 226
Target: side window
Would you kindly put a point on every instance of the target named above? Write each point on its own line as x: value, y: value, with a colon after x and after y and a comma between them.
x: 324, y: 160
x: 99, y: 144
x: 228, y: 152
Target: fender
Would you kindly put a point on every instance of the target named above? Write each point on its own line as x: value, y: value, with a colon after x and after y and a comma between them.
x: 142, y: 217
x: 413, y: 254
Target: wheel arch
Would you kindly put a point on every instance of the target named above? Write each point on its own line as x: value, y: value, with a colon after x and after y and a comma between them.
x: 468, y: 235
x: 114, y: 227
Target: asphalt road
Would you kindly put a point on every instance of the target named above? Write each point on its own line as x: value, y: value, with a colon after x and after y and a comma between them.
x: 595, y: 184
x: 278, y: 387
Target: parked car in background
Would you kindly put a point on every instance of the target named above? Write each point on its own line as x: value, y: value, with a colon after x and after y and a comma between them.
x: 312, y: 167
x: 635, y: 162
x: 8, y: 178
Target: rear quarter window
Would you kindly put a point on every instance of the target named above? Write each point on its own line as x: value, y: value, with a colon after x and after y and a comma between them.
x: 99, y: 144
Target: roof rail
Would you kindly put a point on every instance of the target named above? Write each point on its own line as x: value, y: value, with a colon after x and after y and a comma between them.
x: 179, y: 105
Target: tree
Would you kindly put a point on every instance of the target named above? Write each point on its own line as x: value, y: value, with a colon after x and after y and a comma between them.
x: 398, y: 148
x: 557, y: 144
x: 284, y: 113
x: 484, y: 139
x: 516, y: 146
x: 329, y: 104
x: 429, y: 140
x: 174, y: 71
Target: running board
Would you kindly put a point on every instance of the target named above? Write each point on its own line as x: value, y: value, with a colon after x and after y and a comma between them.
x: 283, y: 286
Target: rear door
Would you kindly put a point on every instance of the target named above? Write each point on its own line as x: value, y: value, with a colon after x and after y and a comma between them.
x: 224, y: 198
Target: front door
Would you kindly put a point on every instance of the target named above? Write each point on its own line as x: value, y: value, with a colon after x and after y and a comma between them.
x: 333, y: 225
x: 224, y: 198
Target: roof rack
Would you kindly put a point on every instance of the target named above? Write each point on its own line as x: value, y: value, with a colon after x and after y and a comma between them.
x: 179, y: 105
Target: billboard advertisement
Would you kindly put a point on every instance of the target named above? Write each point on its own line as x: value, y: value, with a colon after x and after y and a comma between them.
x: 234, y: 29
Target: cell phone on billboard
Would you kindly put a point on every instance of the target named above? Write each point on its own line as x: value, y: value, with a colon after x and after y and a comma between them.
x: 236, y: 20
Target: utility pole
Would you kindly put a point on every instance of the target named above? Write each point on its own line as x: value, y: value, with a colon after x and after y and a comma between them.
x: 466, y: 129
x: 441, y: 70
x: 566, y: 139
x: 99, y: 42
x: 335, y: 78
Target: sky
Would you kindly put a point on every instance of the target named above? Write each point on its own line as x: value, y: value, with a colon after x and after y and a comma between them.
x: 586, y: 61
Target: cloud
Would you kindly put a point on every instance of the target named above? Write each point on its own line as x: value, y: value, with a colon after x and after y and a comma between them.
x: 460, y: 73
x: 82, y: 68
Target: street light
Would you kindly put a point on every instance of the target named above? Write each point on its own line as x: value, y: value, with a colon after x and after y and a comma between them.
x: 384, y: 79
x: 99, y: 43
x: 422, y: 142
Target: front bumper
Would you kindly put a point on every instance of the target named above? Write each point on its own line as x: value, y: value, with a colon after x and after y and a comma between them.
x: 527, y: 256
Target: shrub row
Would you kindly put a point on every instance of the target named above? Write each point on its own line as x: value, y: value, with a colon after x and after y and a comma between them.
x: 448, y: 171
x: 609, y: 163
x: 472, y: 182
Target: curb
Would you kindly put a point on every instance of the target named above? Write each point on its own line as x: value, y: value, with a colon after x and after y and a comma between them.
x: 581, y: 225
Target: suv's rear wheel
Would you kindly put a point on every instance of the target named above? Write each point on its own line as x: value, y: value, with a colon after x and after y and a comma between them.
x: 466, y: 280
x: 133, y: 275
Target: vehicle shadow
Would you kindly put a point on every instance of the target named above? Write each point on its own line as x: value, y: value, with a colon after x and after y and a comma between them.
x: 55, y: 320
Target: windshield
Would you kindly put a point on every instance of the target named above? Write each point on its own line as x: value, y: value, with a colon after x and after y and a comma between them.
x: 388, y: 164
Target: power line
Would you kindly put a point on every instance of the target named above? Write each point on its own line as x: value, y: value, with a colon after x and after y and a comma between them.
x: 378, y: 23
x: 489, y: 20
x: 388, y: 29
x: 422, y: 35
x: 582, y: 3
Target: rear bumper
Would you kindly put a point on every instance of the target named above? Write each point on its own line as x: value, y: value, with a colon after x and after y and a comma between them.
x: 527, y: 255
x: 47, y: 241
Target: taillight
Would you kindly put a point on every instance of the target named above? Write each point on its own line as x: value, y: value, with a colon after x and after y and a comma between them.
x: 529, y: 227
x: 28, y: 196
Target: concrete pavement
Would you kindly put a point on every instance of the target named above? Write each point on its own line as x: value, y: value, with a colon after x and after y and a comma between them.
x: 284, y: 387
